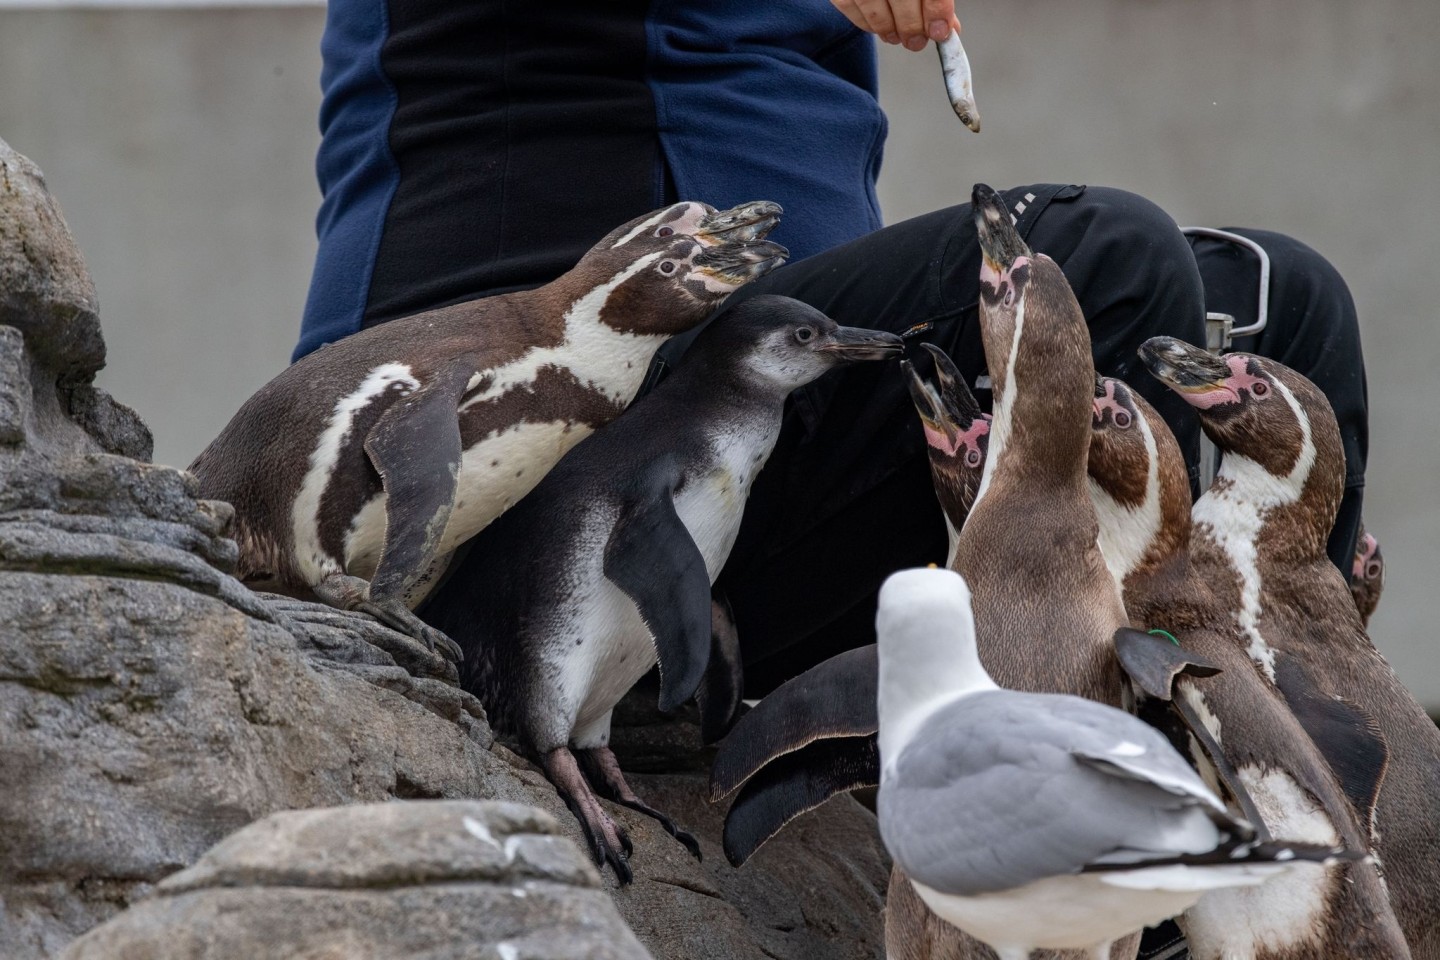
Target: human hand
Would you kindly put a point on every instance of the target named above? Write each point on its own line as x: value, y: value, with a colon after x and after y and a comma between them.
x: 910, y: 22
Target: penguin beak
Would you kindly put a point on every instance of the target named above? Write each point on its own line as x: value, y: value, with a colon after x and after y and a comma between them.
x: 949, y: 407
x: 736, y: 264
x: 1000, y: 242
x: 854, y: 343
x: 743, y: 224
x: 1182, y: 367
x: 958, y: 401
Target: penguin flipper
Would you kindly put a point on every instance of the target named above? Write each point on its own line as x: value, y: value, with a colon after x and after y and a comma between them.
x: 794, y: 784
x: 651, y: 557
x: 720, y: 693
x: 415, y: 447
x: 1153, y: 662
x: 1349, y: 738
x: 835, y: 698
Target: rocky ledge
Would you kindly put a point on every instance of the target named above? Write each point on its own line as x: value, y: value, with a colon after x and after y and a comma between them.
x: 152, y: 707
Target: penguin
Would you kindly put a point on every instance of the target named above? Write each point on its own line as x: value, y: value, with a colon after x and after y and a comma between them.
x: 814, y: 735
x: 358, y: 469
x: 1367, y: 575
x: 1234, y: 724
x: 1259, y: 537
x: 1046, y: 607
x: 1039, y: 820
x: 606, y: 567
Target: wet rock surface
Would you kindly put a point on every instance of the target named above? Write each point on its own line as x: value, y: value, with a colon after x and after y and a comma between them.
x: 152, y: 706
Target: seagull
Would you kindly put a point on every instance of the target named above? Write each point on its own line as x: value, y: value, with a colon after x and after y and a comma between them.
x: 1037, y: 820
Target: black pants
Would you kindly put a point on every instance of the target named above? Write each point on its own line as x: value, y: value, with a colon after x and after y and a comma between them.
x: 846, y: 498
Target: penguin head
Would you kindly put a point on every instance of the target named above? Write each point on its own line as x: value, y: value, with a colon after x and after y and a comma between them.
x: 1367, y: 576
x: 741, y: 224
x: 1121, y: 445
x: 665, y: 272
x: 1030, y: 321
x: 1135, y: 461
x: 957, y: 433
x: 783, y: 343
x: 1258, y: 411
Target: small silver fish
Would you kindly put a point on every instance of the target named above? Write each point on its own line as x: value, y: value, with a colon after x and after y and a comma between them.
x: 956, y: 67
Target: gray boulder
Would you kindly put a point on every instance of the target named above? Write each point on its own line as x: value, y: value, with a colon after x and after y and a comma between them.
x: 439, y: 880
x: 151, y: 705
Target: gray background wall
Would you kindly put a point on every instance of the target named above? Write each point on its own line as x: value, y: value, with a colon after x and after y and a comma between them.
x: 180, y: 143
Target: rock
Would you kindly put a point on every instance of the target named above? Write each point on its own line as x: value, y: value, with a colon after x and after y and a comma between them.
x: 434, y: 879
x: 45, y: 291
x: 151, y: 706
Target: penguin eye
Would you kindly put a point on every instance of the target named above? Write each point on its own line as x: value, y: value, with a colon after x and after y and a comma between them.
x: 667, y: 266
x: 1009, y: 296
x: 972, y: 458
x: 664, y: 231
x: 1122, y: 419
x: 1372, y: 569
x: 1260, y: 388
x: 804, y: 334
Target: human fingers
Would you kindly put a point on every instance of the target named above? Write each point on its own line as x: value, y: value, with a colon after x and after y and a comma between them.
x: 909, y: 17
x: 872, y: 16
x: 940, y: 19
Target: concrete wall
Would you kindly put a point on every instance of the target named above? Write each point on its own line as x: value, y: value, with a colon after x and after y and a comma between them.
x: 180, y: 143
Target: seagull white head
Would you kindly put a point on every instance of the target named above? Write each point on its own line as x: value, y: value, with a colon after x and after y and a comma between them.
x: 927, y: 650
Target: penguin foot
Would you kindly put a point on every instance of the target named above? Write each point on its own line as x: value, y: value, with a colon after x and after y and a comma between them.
x: 603, y: 770
x: 608, y: 841
x: 345, y: 592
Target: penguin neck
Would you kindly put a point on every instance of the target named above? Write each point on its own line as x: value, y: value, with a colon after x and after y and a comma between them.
x: 611, y: 360
x: 929, y: 672
x: 1290, y: 513
x: 1139, y: 536
x: 1040, y: 430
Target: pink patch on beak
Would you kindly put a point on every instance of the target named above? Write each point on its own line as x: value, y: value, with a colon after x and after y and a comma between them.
x: 989, y: 276
x: 1210, y: 398
x: 1228, y: 390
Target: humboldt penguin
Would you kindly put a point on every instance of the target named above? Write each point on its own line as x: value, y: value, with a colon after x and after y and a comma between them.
x: 1039, y: 820
x: 606, y: 567
x: 359, y: 468
x: 1260, y: 531
x: 814, y: 736
x: 1046, y: 607
x: 1234, y: 724
x: 1367, y: 575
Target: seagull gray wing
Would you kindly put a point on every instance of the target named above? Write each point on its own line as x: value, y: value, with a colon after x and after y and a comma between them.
x: 1000, y: 789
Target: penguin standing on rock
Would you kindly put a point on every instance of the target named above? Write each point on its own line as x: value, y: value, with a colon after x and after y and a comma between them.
x: 1260, y: 531
x: 606, y: 567
x: 359, y: 468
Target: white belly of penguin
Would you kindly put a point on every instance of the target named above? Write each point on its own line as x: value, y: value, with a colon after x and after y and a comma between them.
x: 494, y: 475
x: 618, y: 649
x: 1287, y: 913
